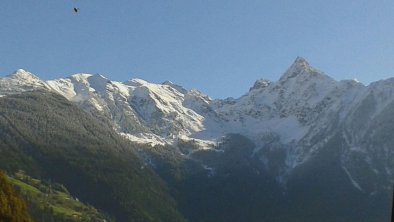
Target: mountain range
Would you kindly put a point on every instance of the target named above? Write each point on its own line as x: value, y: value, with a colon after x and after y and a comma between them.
x: 303, y: 148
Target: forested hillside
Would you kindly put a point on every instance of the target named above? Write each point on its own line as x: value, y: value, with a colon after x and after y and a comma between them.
x: 48, y: 137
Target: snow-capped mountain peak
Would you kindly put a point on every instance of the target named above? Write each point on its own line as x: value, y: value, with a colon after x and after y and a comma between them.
x: 301, y: 68
x: 259, y: 84
x: 80, y: 76
x: 136, y: 106
x: 293, y: 113
x: 23, y: 75
x: 175, y: 86
x: 20, y: 81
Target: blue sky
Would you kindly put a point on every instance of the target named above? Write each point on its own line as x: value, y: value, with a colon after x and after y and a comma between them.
x: 217, y: 46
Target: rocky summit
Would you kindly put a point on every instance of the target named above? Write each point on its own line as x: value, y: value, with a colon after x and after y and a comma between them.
x: 307, y: 132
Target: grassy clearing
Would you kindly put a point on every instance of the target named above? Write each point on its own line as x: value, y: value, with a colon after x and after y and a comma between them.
x: 52, y: 201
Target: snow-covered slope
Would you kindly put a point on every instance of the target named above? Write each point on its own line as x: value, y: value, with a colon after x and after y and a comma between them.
x: 142, y: 111
x: 298, y: 115
x: 20, y: 81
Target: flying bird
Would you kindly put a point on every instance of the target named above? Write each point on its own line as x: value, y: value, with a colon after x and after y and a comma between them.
x: 76, y: 10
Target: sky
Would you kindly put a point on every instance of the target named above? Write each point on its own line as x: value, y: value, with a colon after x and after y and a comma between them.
x: 220, y: 47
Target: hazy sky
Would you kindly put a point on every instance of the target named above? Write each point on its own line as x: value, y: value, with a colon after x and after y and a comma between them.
x: 217, y: 46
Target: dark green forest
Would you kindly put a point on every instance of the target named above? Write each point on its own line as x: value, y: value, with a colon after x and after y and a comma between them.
x: 49, y: 138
